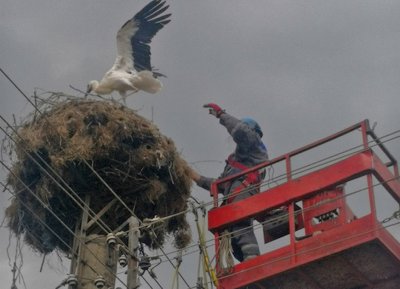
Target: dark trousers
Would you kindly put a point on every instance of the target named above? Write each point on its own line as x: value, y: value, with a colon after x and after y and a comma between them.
x: 244, y: 242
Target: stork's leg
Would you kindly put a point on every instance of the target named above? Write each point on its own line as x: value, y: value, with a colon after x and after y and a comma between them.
x: 123, y: 95
x: 133, y: 92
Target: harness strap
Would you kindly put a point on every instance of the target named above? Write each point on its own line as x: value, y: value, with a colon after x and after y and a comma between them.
x: 251, y: 178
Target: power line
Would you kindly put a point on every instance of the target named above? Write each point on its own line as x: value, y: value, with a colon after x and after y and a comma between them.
x: 364, y: 188
x: 324, y: 245
x: 71, y: 188
x: 271, y: 220
x: 314, y: 165
x: 34, y: 214
x: 78, y: 200
x: 83, y: 207
x: 119, y: 199
x: 300, y: 168
x: 133, y: 214
x: 61, y: 222
x: 184, y: 212
x: 17, y: 87
x: 303, y: 169
x: 81, y: 200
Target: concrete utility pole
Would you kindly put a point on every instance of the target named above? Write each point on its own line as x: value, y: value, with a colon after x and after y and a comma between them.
x: 98, y: 265
x: 94, y: 260
x: 133, y: 281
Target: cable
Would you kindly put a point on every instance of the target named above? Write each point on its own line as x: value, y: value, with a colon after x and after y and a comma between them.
x: 82, y: 204
x: 61, y: 222
x: 134, y: 215
x: 73, y: 191
x: 17, y: 87
x: 313, y: 165
x: 273, y: 219
x: 364, y: 189
x: 46, y: 226
x: 183, y: 211
x: 303, y: 169
x: 287, y: 215
x: 110, y: 188
x: 186, y: 210
x: 96, y: 172
x: 324, y: 245
x: 78, y: 202
x: 304, y: 252
x: 147, y: 282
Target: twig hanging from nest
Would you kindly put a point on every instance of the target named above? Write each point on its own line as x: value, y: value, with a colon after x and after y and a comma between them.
x: 124, y: 149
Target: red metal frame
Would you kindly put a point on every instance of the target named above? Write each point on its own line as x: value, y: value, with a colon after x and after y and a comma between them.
x: 330, y: 208
x: 314, y: 188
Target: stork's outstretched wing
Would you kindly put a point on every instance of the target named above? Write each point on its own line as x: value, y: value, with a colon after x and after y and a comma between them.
x: 135, y: 35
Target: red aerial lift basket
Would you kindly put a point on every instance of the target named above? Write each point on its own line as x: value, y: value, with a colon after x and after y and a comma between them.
x: 336, y: 249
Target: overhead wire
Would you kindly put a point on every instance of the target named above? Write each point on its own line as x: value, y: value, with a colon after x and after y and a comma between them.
x: 147, y: 282
x: 72, y: 194
x: 183, y: 212
x: 49, y: 167
x: 17, y: 87
x: 61, y: 222
x: 34, y: 214
x: 134, y: 215
x: 300, y: 170
x: 324, y: 245
x: 99, y: 221
x: 58, y: 183
x: 119, y: 199
x: 394, y: 138
x: 364, y: 189
x: 82, y: 205
x: 303, y: 252
x: 52, y: 174
x: 273, y: 219
x: 314, y: 167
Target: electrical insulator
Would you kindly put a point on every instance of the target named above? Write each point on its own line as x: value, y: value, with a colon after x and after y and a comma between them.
x: 111, y: 240
x: 122, y: 260
x: 72, y: 281
x: 99, y: 282
x: 144, y: 263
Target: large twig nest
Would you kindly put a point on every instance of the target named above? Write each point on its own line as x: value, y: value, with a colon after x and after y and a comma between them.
x: 77, y: 139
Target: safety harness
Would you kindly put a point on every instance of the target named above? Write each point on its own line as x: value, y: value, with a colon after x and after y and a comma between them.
x: 251, y: 179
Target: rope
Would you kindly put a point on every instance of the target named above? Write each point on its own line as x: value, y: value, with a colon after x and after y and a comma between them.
x: 258, y: 226
x: 226, y: 252
x: 207, y: 267
x: 35, y: 107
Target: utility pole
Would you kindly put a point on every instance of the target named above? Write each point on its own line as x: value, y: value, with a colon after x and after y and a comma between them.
x: 133, y: 281
x: 94, y: 256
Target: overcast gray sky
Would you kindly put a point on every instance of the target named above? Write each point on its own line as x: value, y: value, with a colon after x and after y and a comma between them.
x: 303, y: 69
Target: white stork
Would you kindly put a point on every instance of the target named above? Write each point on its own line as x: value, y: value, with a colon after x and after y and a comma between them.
x: 132, y: 69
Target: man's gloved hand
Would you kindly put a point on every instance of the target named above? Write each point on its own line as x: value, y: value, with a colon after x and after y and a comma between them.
x: 214, y: 109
